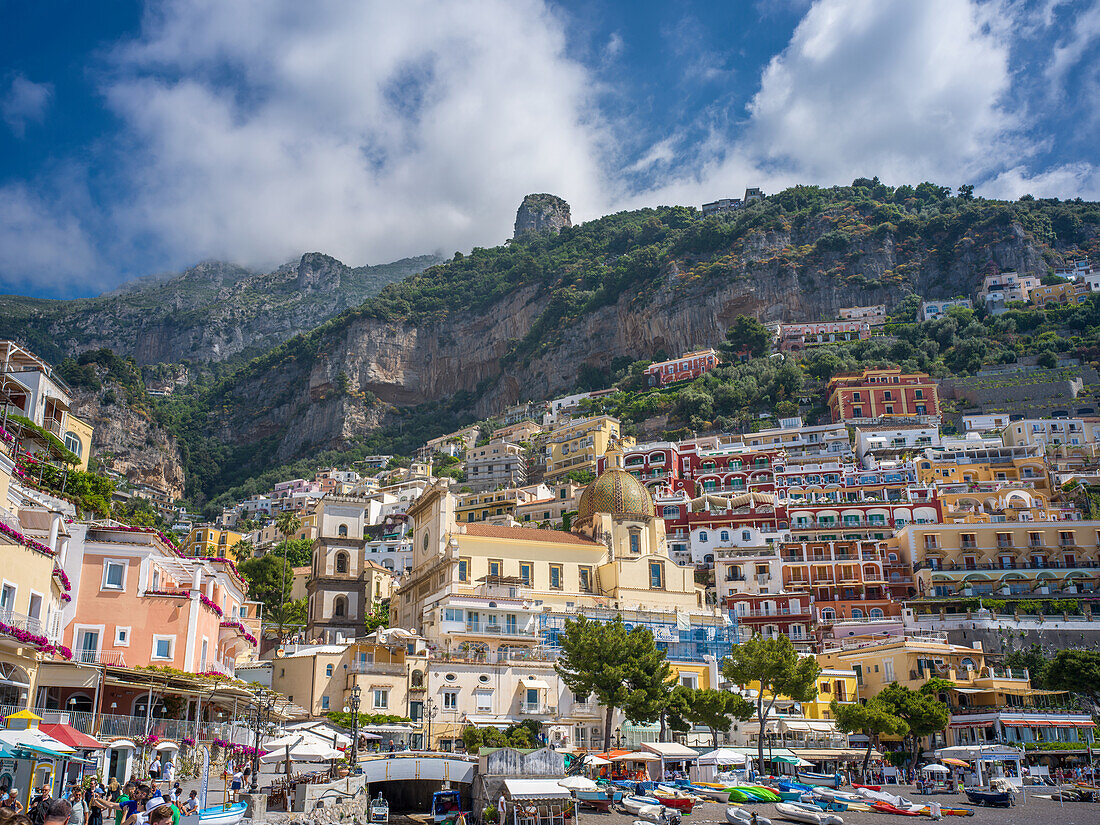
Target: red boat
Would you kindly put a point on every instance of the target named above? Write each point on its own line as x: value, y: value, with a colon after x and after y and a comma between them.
x: 887, y: 808
x: 679, y: 803
x: 868, y: 787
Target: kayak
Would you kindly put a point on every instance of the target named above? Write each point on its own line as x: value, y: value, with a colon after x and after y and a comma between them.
x: 887, y: 808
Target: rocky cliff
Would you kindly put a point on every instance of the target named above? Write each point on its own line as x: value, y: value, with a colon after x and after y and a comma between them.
x: 519, y: 322
x: 129, y: 441
x: 541, y: 213
x: 211, y: 312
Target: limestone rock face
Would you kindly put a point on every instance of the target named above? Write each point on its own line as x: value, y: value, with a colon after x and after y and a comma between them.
x: 128, y: 441
x: 541, y: 213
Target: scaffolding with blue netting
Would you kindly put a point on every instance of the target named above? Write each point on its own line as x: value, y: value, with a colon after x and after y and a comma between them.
x: 682, y: 638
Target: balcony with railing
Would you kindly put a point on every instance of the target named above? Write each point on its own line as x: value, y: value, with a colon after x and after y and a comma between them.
x: 378, y: 668
x: 110, y: 725
x: 21, y: 621
x: 99, y: 657
x: 537, y: 709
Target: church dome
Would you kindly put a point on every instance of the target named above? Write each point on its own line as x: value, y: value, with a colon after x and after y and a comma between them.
x: 616, y: 492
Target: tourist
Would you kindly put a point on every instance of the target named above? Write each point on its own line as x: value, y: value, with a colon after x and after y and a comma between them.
x: 168, y: 770
x: 500, y: 810
x: 11, y: 802
x: 154, y: 768
x: 237, y: 781
x: 56, y: 811
x: 191, y: 806
x: 80, y: 809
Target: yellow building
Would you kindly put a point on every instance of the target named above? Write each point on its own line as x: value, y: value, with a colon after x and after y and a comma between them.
x: 30, y: 596
x: 520, y: 431
x: 298, y: 582
x: 983, y: 463
x: 391, y: 676
x: 78, y: 438
x: 1068, y: 293
x: 1024, y: 559
x: 549, y: 510
x: 989, y: 501
x: 211, y: 541
x: 807, y: 728
x: 574, y: 446
x: 498, y: 505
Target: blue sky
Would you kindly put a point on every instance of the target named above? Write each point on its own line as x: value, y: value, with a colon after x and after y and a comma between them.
x: 139, y: 138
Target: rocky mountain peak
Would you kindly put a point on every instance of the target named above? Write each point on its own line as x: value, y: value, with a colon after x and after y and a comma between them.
x: 319, y: 270
x: 541, y: 213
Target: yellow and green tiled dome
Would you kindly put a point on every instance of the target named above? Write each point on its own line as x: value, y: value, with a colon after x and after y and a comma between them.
x: 616, y: 492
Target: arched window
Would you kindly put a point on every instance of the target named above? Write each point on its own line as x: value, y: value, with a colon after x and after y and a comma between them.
x: 703, y: 536
x: 876, y: 613
x: 72, y: 443
x: 328, y: 670
x: 340, y: 607
x: 670, y: 512
x: 341, y: 562
x: 968, y: 664
x: 725, y: 535
x: 857, y: 613
x: 342, y: 531
x: 827, y: 614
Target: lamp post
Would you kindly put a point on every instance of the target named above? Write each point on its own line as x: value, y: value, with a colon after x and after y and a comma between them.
x: 429, y: 712
x: 356, y: 698
x: 265, y: 703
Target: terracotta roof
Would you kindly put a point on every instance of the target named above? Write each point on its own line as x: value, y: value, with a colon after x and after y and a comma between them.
x: 491, y: 531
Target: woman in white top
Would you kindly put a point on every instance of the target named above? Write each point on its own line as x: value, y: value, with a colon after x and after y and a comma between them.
x: 169, y: 769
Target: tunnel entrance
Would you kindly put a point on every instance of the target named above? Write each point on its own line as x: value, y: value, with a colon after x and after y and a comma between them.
x: 414, y: 796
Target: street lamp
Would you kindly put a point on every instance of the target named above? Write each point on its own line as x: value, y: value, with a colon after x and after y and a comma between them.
x: 429, y: 713
x: 265, y: 703
x: 356, y: 698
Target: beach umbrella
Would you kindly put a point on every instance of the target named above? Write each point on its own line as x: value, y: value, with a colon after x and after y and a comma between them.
x: 578, y: 783
x: 935, y: 769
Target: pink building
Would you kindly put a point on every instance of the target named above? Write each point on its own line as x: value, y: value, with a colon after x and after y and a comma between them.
x: 687, y: 366
x: 137, y: 603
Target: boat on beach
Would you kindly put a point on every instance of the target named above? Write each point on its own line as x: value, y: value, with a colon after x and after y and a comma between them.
x: 223, y: 814
x: 739, y: 816
x: 820, y: 780
x: 800, y: 812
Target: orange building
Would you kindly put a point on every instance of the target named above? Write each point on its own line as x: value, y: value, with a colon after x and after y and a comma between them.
x: 138, y: 603
x: 848, y: 580
x: 883, y: 395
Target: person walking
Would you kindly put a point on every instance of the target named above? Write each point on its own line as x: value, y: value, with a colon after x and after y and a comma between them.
x: 154, y: 768
x: 168, y: 770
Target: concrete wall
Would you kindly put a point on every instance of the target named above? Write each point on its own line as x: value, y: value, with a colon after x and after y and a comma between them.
x: 329, y: 794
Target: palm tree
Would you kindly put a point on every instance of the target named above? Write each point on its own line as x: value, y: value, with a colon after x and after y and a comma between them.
x: 287, y: 523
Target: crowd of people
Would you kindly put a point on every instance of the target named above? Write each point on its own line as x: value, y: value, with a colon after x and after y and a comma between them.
x: 134, y: 803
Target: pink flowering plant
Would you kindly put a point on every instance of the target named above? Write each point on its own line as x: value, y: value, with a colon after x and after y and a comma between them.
x: 240, y: 628
x: 208, y: 603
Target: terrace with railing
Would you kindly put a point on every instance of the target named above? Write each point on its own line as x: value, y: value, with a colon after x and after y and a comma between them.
x: 111, y: 726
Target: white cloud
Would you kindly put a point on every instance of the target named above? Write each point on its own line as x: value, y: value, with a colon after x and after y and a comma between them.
x: 1079, y: 44
x: 1066, y: 181
x: 366, y: 130
x: 25, y: 102
x: 906, y: 91
x: 42, y: 244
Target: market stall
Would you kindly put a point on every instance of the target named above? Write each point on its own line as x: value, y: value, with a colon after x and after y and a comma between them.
x: 676, y: 760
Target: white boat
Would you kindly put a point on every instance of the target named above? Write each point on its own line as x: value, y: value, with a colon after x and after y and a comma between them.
x: 223, y: 814
x: 799, y: 812
x: 739, y: 816
x: 821, y: 780
x: 643, y: 808
x: 888, y: 798
x: 717, y: 794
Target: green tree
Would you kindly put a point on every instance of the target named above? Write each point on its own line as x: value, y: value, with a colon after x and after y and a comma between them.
x: 966, y: 192
x: 774, y: 667
x: 287, y: 523
x: 872, y: 720
x: 1034, y: 661
x: 242, y: 551
x: 716, y: 710
x: 291, y: 617
x: 618, y: 667
x: 920, y: 709
x: 379, y: 617
x: 747, y: 335
x: 1077, y: 671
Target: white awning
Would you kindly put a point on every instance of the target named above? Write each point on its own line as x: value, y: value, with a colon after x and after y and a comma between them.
x: 485, y: 720
x: 795, y: 725
x: 535, y: 789
x: 537, y: 684
x: 636, y: 756
x: 671, y: 750
x: 821, y: 726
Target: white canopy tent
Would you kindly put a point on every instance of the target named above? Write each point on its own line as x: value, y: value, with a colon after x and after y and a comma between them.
x: 722, y: 756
